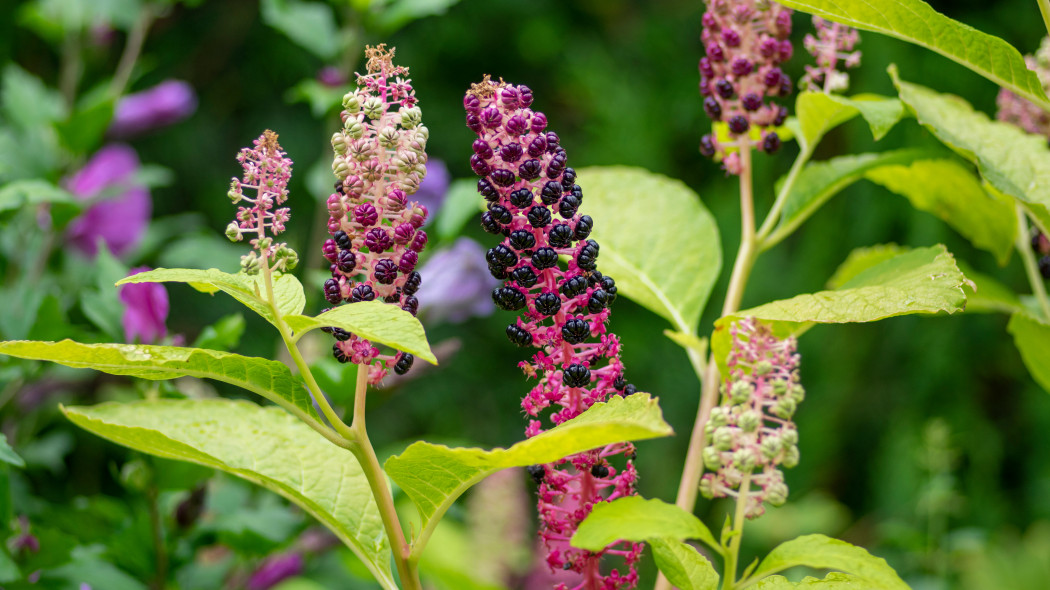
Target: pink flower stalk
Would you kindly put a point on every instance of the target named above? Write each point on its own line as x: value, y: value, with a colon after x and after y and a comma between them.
x: 380, y: 160
x: 166, y: 103
x: 526, y: 182
x: 833, y: 42
x: 120, y: 208
x: 267, y: 171
x: 1020, y: 111
x: 751, y: 433
x: 145, y: 310
x: 745, y: 42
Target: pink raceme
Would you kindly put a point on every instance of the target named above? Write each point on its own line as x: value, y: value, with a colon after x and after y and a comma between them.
x: 533, y: 203
x: 1020, y: 111
x: 833, y: 43
x: 380, y: 160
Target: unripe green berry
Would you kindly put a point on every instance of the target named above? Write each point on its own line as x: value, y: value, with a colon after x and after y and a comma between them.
x: 789, y: 434
x: 351, y: 104
x: 410, y: 117
x: 354, y: 128
x: 791, y: 457
x: 339, y: 143
x: 718, y: 416
x: 233, y: 232
x: 707, y: 487
x: 740, y: 392
x: 762, y: 367
x: 784, y: 408
x: 777, y: 493
x: 744, y: 459
x: 340, y: 168
x: 771, y: 446
x: 779, y: 388
x: 374, y: 107
x: 798, y: 393
x: 389, y: 137
x: 723, y: 438
x: 749, y: 421
x: 712, y: 458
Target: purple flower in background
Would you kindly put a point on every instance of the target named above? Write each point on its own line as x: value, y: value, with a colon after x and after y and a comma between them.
x: 331, y: 76
x: 122, y: 212
x: 145, y: 310
x: 457, y: 283
x: 275, y: 569
x: 434, y: 188
x: 168, y: 102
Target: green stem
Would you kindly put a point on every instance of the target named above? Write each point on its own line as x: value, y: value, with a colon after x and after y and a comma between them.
x: 132, y: 49
x: 733, y: 554
x: 1031, y: 267
x: 767, y: 237
x: 160, y: 576
x: 71, y: 68
x: 1044, y: 8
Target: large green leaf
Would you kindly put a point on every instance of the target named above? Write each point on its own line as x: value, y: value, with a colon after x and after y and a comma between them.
x: 952, y: 192
x: 433, y: 476
x: 670, y: 266
x: 311, y: 25
x: 821, y: 552
x: 1014, y: 162
x: 819, y: 113
x: 916, y: 22
x: 377, y: 321
x: 820, y: 181
x: 833, y: 581
x: 23, y: 193
x: 262, y: 445
x: 683, y: 565
x: 1032, y: 337
x: 634, y: 518
x: 8, y: 455
x: 248, y: 289
x: 267, y: 378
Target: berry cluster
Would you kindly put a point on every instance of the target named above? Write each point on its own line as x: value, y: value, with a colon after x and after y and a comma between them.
x: 533, y: 204
x: 745, y: 42
x: 1041, y: 247
x: 267, y: 172
x: 1020, y: 111
x: 380, y: 160
x: 833, y: 42
x: 751, y: 433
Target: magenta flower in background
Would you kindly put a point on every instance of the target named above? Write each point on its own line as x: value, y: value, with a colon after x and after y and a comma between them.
x: 458, y: 284
x: 166, y: 103
x: 145, y: 310
x: 275, y: 569
x: 433, y: 189
x: 120, y: 215
x: 331, y: 76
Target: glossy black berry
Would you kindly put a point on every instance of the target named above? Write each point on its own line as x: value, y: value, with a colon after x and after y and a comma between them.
x: 544, y: 258
x: 393, y: 297
x: 560, y: 235
x: 501, y: 255
x: 587, y: 259
x: 538, y: 216
x: 412, y: 282
x: 521, y: 198
x: 609, y: 286
x: 771, y: 143
x: 597, y: 301
x: 738, y: 124
x: 568, y: 206
x: 511, y: 152
x: 331, y: 291
x: 712, y: 108
x: 530, y: 169
x: 346, y: 261
x: 519, y: 336
x: 343, y: 240
x: 751, y: 101
x: 725, y: 89
x: 498, y: 272
x: 522, y: 239
x: 584, y: 225
x: 502, y: 177
x: 548, y: 303
x: 524, y: 276
x: 575, y: 331
x: 500, y: 214
x: 707, y: 146
x: 630, y: 389
x: 404, y: 363
x: 536, y: 472
x: 487, y: 190
x: 576, y: 376
x: 568, y: 178
x: 594, y: 278
x: 600, y: 470
x: 489, y: 223
x: 362, y: 293
x: 619, y: 383
x: 340, y: 334
x: 573, y: 287
x: 508, y: 298
x: 551, y: 192
x: 411, y: 305
x: 385, y: 271
x: 338, y: 353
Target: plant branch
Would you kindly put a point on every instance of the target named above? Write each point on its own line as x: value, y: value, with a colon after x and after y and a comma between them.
x: 160, y: 576
x: 735, y: 536
x: 1044, y: 8
x: 770, y: 234
x: 1031, y: 267
x: 132, y: 49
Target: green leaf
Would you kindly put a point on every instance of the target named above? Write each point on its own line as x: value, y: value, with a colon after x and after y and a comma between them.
x: 633, y: 518
x: 820, y: 181
x: 321, y: 98
x: 398, y: 13
x: 8, y: 455
x: 373, y: 320
x: 683, y: 566
x: 262, y: 445
x: 952, y: 192
x: 224, y: 334
x: 311, y: 25
x: 988, y: 295
x: 25, y: 193
x: 688, y: 341
x: 433, y: 476
x: 1032, y: 337
x: 916, y: 22
x: 26, y: 101
x: 861, y: 259
x: 833, y: 581
x: 1014, y: 162
x: 819, y: 113
x: 101, y: 304
x: 673, y: 274
x: 248, y: 289
x: 83, y: 130
x: 822, y: 552
x: 270, y: 379
x: 461, y: 204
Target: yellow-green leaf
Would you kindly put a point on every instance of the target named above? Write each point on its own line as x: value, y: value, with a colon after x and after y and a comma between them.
x: 377, y: 321
x: 634, y: 518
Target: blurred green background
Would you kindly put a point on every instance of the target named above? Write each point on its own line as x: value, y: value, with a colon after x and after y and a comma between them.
x: 923, y: 439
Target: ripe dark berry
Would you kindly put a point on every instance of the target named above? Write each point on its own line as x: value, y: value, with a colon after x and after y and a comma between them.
x: 343, y: 240
x: 587, y: 259
x: 536, y: 472
x: 479, y: 165
x: 511, y: 152
x: 385, y: 271
x: 404, y: 363
x: 584, y: 225
x: 522, y: 239
x: 552, y: 141
x: 346, y: 261
x: 489, y: 223
x: 577, y: 191
x: 548, y: 303
x: 538, y: 216
x: 771, y: 143
x: 568, y: 206
x: 530, y: 169
x: 575, y: 331
x: 597, y: 302
x: 551, y: 192
x: 501, y: 255
x: 378, y: 240
x: 521, y: 198
x: 524, y: 276
x: 487, y: 190
x: 751, y: 101
x: 574, y: 286
x: 538, y: 147
x: 411, y: 305
x: 412, y: 282
x: 419, y: 242
x: 594, y: 278
x: 393, y: 297
x: 600, y: 470
x: 576, y: 375
x: 519, y: 336
x: 362, y: 293
x: 482, y: 148
x: 338, y: 353
x: 502, y: 177
x: 609, y: 286
x: 501, y: 214
x: 712, y: 108
x: 331, y: 291
x: 340, y: 334
x: 544, y: 258
x: 738, y: 124
x: 508, y: 298
x: 619, y: 383
x: 630, y: 389
x: 725, y: 89
x: 707, y: 146
x: 498, y: 272
x: 560, y: 235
